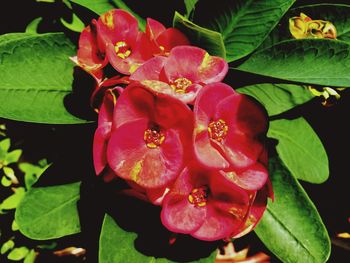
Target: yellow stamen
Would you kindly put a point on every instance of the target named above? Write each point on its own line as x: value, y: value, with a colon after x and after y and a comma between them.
x: 122, y: 49
x: 217, y: 130
x: 180, y: 85
x: 153, y: 138
x: 198, y: 196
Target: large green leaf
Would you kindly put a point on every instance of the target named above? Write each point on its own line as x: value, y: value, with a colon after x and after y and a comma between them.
x: 300, y: 149
x: 291, y: 226
x: 244, y: 24
x: 338, y: 14
x: 49, y: 212
x: 36, y: 75
x: 278, y: 98
x: 102, y: 6
x: 314, y: 61
x: 207, y: 39
x: 117, y: 245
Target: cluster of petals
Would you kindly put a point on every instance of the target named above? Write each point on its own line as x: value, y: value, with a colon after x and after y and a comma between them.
x: 172, y: 131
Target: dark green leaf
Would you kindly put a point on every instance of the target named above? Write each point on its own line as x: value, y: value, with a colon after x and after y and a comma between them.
x: 300, y: 149
x: 314, y: 61
x: 102, y: 6
x: 190, y: 5
x: 207, y: 39
x: 243, y: 24
x: 18, y: 253
x: 49, y: 212
x: 278, y: 98
x: 36, y: 75
x: 116, y: 245
x: 291, y: 226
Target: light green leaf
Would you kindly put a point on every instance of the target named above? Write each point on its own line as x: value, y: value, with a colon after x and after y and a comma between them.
x: 36, y: 76
x: 32, y: 27
x: 244, y: 24
x: 116, y: 245
x: 102, y: 6
x: 190, y: 6
x: 75, y: 25
x: 12, y: 201
x: 291, y: 227
x: 12, y: 157
x: 5, y: 146
x: 18, y: 253
x: 14, y: 226
x: 7, y: 246
x: 49, y: 212
x: 30, y: 258
x: 207, y: 39
x: 31, y: 173
x: 314, y: 61
x: 5, y: 181
x: 10, y: 173
x: 300, y: 149
x: 278, y: 98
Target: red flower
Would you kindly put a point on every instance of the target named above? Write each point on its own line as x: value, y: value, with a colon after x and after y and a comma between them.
x: 149, y: 136
x: 204, y: 204
x: 126, y: 47
x: 185, y: 71
x: 103, y: 132
x: 228, y: 132
x: 163, y: 38
x: 91, y: 56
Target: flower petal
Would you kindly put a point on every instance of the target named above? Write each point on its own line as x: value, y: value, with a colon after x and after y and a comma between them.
x: 150, y: 70
x: 194, y: 64
x: 154, y: 28
x: 180, y: 216
x: 101, y: 137
x: 132, y: 160
x: 171, y: 38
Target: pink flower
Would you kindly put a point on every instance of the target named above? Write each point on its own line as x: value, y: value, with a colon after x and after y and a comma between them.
x: 229, y: 132
x: 164, y: 38
x: 204, y: 204
x: 149, y: 138
x: 185, y: 71
x: 91, y: 57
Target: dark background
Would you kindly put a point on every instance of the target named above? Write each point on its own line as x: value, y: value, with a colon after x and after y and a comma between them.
x: 69, y: 146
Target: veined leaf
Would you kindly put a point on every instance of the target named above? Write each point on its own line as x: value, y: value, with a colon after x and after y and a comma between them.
x: 49, y: 212
x: 300, y: 149
x: 117, y: 245
x: 278, y: 98
x: 314, y: 61
x: 291, y: 227
x: 207, y: 39
x: 190, y: 5
x: 36, y: 75
x: 243, y: 24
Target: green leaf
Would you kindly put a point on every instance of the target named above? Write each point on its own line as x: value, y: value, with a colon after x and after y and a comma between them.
x: 97, y: 6
x: 30, y: 258
x: 300, y: 149
x: 14, y: 226
x: 244, y: 24
x: 315, y: 61
x: 190, y: 6
x: 75, y: 25
x: 7, y: 246
x: 116, y: 245
x: 12, y: 157
x: 278, y: 98
x: 31, y: 173
x: 12, y: 201
x: 5, y: 146
x: 291, y: 227
x: 49, y: 212
x: 36, y: 75
x: 5, y: 181
x: 32, y: 27
x: 18, y: 253
x: 10, y: 173
x: 102, y: 6
x: 207, y: 39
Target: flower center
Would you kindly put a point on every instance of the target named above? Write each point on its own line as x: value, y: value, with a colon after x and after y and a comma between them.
x: 153, y: 137
x: 122, y: 49
x: 199, y: 196
x: 180, y: 85
x: 218, y: 130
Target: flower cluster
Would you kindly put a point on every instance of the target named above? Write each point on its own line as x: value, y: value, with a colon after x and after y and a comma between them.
x: 177, y: 135
x: 304, y: 27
